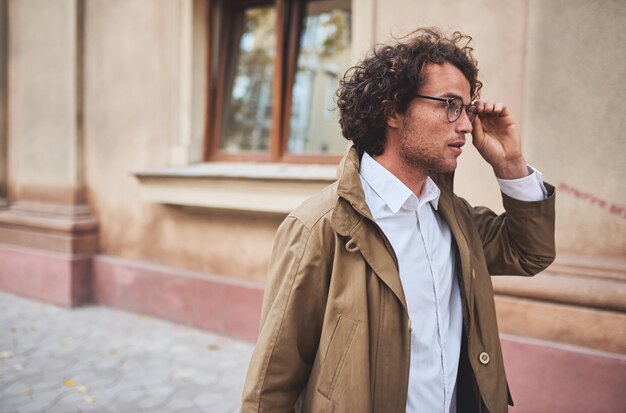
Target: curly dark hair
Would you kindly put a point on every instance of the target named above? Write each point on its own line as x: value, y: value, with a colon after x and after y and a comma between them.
x: 387, y: 80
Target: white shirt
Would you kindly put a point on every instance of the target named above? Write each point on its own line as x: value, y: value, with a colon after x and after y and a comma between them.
x: 422, y: 242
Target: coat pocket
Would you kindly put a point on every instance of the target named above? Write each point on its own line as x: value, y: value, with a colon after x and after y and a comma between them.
x: 336, y: 355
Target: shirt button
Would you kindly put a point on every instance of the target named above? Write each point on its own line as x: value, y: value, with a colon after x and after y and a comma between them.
x: 484, y: 358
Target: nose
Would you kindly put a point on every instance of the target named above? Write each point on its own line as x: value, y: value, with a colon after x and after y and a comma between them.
x: 463, y: 124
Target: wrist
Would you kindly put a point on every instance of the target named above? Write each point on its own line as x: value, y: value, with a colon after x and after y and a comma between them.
x: 512, y: 170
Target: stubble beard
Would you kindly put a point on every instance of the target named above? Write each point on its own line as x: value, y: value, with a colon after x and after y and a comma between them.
x: 422, y: 155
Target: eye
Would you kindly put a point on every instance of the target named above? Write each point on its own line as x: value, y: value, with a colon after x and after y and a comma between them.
x: 456, y: 105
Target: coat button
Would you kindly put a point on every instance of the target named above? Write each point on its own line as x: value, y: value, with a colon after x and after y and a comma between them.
x: 484, y: 358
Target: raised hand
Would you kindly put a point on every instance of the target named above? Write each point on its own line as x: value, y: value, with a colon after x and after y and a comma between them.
x: 496, y: 138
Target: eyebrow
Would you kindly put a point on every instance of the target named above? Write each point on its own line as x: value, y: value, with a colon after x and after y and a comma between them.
x: 452, y: 95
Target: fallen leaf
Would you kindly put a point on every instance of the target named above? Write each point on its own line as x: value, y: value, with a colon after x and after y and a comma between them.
x: 7, y: 354
x: 89, y: 399
x: 33, y: 328
x: 112, y: 351
x: 18, y: 367
x: 82, y: 389
x: 144, y: 317
x: 27, y: 392
x: 69, y: 383
x: 68, y: 340
x: 13, y: 330
x: 213, y: 347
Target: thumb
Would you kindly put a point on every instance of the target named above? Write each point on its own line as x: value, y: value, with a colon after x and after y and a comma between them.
x: 478, y: 134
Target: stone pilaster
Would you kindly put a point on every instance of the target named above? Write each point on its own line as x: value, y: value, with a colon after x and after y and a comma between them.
x: 48, y: 234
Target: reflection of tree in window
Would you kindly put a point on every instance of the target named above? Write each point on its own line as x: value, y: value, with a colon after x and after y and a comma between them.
x: 324, y: 54
x: 245, y: 99
x: 246, y: 119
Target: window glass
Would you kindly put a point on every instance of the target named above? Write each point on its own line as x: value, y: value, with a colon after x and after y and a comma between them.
x: 324, y: 56
x: 247, y: 104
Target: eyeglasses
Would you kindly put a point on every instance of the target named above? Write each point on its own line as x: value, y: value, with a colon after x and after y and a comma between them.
x: 455, y: 106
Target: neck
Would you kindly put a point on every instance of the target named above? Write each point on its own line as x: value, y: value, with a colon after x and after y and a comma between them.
x: 412, y: 176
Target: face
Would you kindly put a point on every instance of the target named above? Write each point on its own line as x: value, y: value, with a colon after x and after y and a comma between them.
x: 426, y: 140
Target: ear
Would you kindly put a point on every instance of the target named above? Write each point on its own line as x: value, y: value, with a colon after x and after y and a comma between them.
x: 393, y: 120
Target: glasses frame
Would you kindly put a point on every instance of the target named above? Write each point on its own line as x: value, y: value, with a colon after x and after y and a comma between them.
x: 470, y: 109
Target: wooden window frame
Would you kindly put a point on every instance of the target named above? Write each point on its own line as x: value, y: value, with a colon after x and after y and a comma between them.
x: 289, y: 16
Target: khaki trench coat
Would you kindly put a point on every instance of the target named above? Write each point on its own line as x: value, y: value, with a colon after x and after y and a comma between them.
x: 335, y: 332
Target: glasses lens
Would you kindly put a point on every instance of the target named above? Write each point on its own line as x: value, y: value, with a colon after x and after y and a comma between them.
x: 471, y: 112
x: 454, y: 109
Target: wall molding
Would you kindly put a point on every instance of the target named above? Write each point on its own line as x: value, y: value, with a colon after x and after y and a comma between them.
x: 598, y: 283
x: 273, y: 188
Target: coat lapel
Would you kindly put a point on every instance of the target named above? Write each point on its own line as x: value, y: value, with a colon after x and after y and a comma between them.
x: 446, y: 210
x: 352, y: 218
x: 374, y: 249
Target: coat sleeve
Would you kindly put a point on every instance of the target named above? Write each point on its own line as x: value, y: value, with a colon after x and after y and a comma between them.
x: 291, y: 320
x: 521, y: 240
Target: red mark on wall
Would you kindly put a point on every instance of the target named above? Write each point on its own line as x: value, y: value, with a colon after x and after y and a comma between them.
x: 593, y: 200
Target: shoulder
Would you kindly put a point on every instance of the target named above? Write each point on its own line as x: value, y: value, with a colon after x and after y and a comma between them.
x: 316, y: 209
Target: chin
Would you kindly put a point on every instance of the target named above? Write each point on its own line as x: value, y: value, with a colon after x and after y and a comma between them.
x: 447, y: 168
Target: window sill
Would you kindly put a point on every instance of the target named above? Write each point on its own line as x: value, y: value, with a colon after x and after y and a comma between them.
x: 271, y: 188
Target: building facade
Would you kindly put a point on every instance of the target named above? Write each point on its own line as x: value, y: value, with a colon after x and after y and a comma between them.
x: 150, y: 149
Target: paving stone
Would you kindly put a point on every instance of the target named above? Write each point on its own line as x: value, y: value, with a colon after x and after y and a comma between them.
x: 121, y: 362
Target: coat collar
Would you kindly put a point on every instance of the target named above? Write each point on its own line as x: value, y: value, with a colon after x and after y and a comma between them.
x: 349, y: 183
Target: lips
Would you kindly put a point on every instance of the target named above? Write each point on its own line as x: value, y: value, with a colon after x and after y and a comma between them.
x: 456, y: 146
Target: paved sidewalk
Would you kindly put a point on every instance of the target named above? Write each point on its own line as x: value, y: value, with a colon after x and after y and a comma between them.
x: 97, y: 359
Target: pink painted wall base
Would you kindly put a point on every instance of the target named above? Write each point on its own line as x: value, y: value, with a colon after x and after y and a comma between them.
x: 212, y: 303
x: 55, y: 278
x: 553, y: 377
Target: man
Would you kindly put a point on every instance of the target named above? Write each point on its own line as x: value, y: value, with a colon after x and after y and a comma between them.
x: 379, y: 296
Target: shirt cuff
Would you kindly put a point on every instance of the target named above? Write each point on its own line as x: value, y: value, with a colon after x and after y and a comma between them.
x: 529, y: 188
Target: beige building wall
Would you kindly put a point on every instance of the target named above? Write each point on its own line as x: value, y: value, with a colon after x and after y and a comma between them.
x: 44, y: 156
x: 132, y: 120
x: 574, y: 90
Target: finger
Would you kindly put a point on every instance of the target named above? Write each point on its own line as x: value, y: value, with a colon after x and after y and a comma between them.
x: 477, y: 131
x: 498, y: 108
x: 485, y: 107
x: 505, y: 111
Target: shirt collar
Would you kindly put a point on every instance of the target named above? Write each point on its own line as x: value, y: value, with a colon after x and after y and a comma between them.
x: 392, y: 191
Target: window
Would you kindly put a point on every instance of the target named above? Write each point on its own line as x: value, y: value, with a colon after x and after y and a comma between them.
x: 274, y: 73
